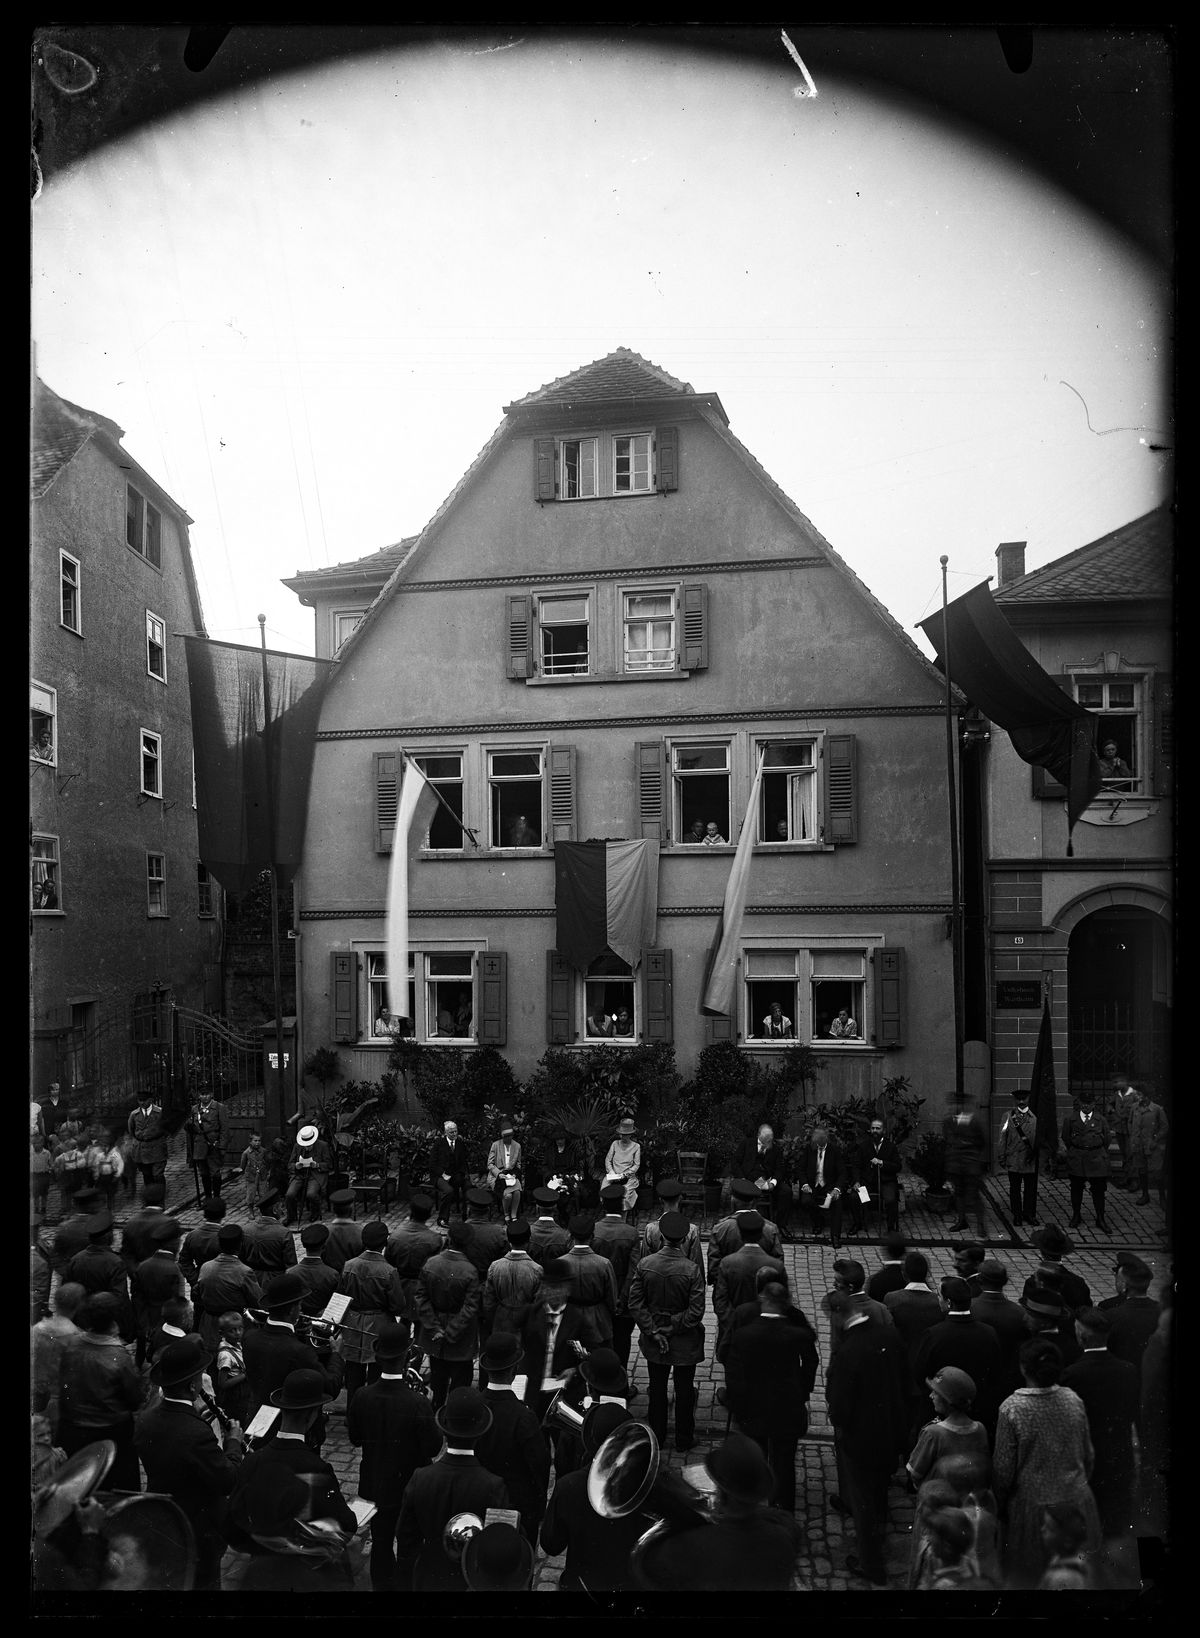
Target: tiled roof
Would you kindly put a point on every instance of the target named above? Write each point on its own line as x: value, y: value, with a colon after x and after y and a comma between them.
x: 59, y: 431
x: 374, y: 566
x: 620, y: 374
x: 1134, y: 562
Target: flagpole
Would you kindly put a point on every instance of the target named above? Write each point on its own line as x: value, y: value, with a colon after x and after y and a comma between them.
x: 469, y: 834
x: 956, y: 953
x: 273, y: 1112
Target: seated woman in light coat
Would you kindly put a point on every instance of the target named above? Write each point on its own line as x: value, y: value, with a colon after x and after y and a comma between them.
x: 505, y: 1169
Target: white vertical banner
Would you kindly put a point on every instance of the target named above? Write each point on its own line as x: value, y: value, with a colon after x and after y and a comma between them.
x: 413, y: 812
x: 721, y: 977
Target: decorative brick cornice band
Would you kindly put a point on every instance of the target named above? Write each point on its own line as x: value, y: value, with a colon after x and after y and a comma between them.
x: 678, y: 721
x: 665, y: 912
x: 766, y: 565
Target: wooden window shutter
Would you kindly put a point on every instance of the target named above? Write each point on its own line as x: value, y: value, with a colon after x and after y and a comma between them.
x: 343, y: 994
x: 493, y: 999
x: 543, y: 469
x: 659, y: 1020
x: 718, y: 1029
x: 1164, y: 734
x: 387, y: 797
x: 520, y: 636
x: 667, y: 439
x: 889, y: 997
x: 695, y: 628
x: 651, y: 789
x: 560, y: 987
x: 562, y: 793
x: 841, y: 789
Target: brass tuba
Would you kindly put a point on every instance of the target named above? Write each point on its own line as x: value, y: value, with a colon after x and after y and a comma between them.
x: 626, y: 1475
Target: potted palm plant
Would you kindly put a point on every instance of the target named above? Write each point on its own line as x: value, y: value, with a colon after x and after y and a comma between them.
x: 928, y: 1162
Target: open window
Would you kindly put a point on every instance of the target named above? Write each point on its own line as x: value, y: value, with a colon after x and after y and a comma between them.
x: 69, y: 573
x: 610, y: 1001
x: 839, y: 982
x: 156, y: 647
x: 788, y: 807
x: 380, y: 1022
x: 450, y: 995
x: 1118, y: 704
x: 444, y: 771
x: 700, y: 793
x: 563, y: 634
x: 44, y: 880
x: 151, y: 763
x: 515, y: 798
x: 43, y: 723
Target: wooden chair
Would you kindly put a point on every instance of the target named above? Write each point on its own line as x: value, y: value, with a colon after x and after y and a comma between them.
x: 692, y: 1165
x: 371, y: 1179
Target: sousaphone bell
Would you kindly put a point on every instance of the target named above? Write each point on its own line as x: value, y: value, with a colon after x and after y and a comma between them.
x: 625, y: 1476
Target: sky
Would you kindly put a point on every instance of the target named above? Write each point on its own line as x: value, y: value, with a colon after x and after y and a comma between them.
x: 307, y: 304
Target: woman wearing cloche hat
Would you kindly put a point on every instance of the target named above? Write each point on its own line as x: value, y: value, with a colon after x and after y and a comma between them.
x: 623, y: 1161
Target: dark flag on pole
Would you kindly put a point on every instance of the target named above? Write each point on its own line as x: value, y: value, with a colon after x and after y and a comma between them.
x: 249, y: 768
x: 1043, y: 1094
x: 993, y: 668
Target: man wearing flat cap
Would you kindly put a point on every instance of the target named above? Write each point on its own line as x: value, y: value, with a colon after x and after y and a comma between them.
x: 224, y: 1283
x: 666, y: 1298
x: 320, y: 1281
x: 158, y: 1277
x: 199, y: 1244
x: 309, y: 1166
x: 395, y: 1428
x: 1006, y: 1318
x: 725, y: 1236
x: 548, y: 1239
x: 737, y: 1274
x: 593, y: 1284
x: 99, y: 1268
x: 376, y: 1301
x: 267, y: 1475
x: 272, y: 1351
x: 457, y: 1482
x: 1134, y: 1321
x: 749, y: 1546
x: 181, y: 1458
x: 412, y: 1244
x: 268, y: 1247
x: 447, y: 1301
x: 667, y: 1194
x: 511, y: 1288
x: 149, y: 1147
x: 207, y: 1139
x: 513, y: 1447
x: 345, y: 1235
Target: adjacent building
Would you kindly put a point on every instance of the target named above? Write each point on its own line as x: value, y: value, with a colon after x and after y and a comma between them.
x: 122, y: 913
x: 1093, y: 930
x: 609, y: 622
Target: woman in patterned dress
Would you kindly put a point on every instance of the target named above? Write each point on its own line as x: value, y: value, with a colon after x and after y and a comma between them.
x: 623, y: 1162
x: 1043, y: 1454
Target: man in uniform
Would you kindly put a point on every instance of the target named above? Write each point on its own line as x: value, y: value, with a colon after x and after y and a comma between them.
x: 395, y: 1428
x: 309, y: 1166
x: 447, y: 1300
x: 345, y: 1236
x: 666, y: 1299
x: 725, y: 1236
x: 617, y: 1240
x: 157, y: 1278
x: 224, y: 1283
x: 511, y: 1288
x: 547, y: 1237
x: 320, y: 1280
x: 376, y: 1302
x: 268, y: 1247
x: 413, y: 1244
x: 181, y: 1458
x: 200, y: 1244
x: 98, y: 1268
x: 136, y: 1244
x: 488, y: 1240
x: 149, y: 1151
x: 207, y: 1137
x: 1085, y: 1138
x: 593, y: 1285
x: 273, y: 1351
x: 1016, y: 1154
x: 456, y: 1483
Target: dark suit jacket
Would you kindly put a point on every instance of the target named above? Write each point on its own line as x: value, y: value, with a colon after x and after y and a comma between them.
x: 447, y: 1297
x: 547, y: 1240
x: 867, y: 1395
x: 770, y: 1369
x: 913, y: 1312
x: 272, y: 1352
x: 514, y: 1450
x: 1132, y: 1324
x: 973, y: 1347
x: 443, y: 1159
x: 616, y: 1239
x: 453, y: 1484
x: 746, y: 1162
x: 737, y: 1277
x: 1076, y: 1293
x: 533, y: 1362
x: 397, y: 1433
x: 864, y: 1172
x: 598, y: 1550
x: 292, y: 1458
x: 182, y: 1460
x: 1007, y: 1319
x: 888, y: 1278
x: 344, y: 1242
x: 1108, y: 1387
x: 835, y: 1166
x: 268, y: 1247
x: 488, y: 1243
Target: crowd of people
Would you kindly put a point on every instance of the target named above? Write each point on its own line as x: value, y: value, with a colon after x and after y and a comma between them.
x: 483, y: 1359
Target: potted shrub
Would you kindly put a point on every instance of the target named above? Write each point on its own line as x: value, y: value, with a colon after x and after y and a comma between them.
x: 928, y: 1161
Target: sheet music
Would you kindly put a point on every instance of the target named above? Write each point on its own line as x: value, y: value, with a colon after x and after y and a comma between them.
x: 551, y: 1384
x: 520, y: 1385
x: 262, y: 1421
x: 364, y: 1511
x: 336, y: 1307
x: 864, y: 1194
x: 502, y: 1515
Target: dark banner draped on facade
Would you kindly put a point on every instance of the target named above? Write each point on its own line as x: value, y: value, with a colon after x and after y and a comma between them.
x: 605, y: 896
x: 994, y: 669
x: 1043, y: 1091
x: 254, y: 756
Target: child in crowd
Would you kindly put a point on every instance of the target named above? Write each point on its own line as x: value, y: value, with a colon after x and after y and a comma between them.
x: 1064, y: 1531
x: 233, y: 1390
x: 70, y: 1168
x: 952, y: 1566
x: 41, y: 1172
x: 106, y: 1164
x: 253, y: 1164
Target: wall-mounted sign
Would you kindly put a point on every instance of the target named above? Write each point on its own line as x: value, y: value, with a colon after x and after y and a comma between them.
x: 1018, y: 994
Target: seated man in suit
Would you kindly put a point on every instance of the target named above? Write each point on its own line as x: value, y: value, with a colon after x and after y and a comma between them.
x: 876, y: 1165
x: 448, y: 1165
x: 823, y: 1182
x: 762, y: 1160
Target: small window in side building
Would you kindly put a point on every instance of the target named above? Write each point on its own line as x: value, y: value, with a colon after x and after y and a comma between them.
x: 156, y: 647
x: 156, y: 884
x: 44, y: 874
x: 43, y: 723
x: 70, y: 573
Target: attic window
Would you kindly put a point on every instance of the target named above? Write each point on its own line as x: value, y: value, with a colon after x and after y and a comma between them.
x: 143, y: 526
